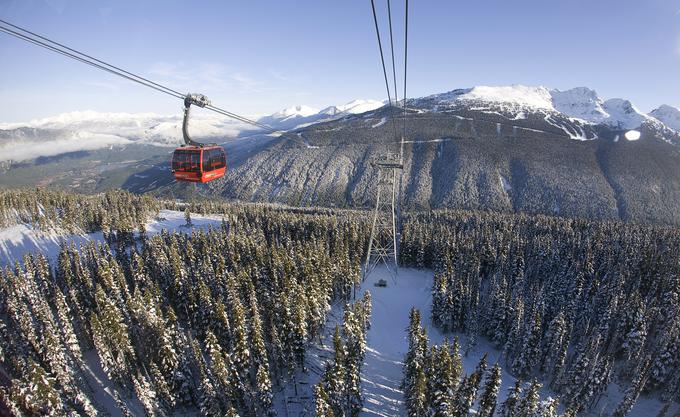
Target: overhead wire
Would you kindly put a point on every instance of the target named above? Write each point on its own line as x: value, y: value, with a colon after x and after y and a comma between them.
x: 74, y: 54
x: 79, y: 56
x: 382, y: 57
x: 403, y: 136
x: 83, y: 60
x: 91, y: 57
x: 394, y: 72
x: 384, y: 68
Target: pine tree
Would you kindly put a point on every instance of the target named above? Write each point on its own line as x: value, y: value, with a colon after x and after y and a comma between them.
x: 241, y: 351
x: 187, y: 217
x: 529, y: 404
x: 323, y: 407
x: 417, y: 404
x: 631, y: 394
x: 487, y: 402
x: 441, y: 383
x: 38, y: 395
x: 547, y: 408
x: 510, y: 406
x: 336, y: 375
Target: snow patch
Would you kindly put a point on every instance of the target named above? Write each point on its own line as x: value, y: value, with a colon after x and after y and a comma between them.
x: 21, y: 239
x: 519, y: 95
x: 353, y: 107
x: 380, y: 123
x: 504, y: 183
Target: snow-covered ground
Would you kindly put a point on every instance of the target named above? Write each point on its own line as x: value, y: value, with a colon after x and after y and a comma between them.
x: 387, y: 340
x: 18, y: 240
x: 387, y: 345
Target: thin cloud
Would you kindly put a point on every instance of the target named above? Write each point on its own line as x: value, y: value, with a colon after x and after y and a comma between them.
x: 279, y: 76
x: 104, y: 85
x: 30, y: 150
x: 168, y: 71
x: 246, y: 83
x: 207, y: 77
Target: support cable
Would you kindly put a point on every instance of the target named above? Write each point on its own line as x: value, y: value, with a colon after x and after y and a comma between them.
x: 91, y: 58
x: 394, y: 72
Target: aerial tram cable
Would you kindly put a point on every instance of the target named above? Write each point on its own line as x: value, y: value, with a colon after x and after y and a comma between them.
x: 403, y: 136
x: 177, y: 93
x: 382, y: 60
x: 382, y: 57
x: 44, y: 42
x: 394, y: 72
x: 82, y: 57
x: 97, y: 63
x: 83, y: 60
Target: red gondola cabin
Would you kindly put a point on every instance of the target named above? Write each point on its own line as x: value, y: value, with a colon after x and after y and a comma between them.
x: 199, y: 164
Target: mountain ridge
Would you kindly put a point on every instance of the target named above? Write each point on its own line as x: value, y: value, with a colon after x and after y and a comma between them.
x: 472, y: 153
x: 582, y: 104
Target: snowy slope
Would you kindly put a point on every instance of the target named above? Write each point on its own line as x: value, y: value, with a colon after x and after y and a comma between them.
x: 301, y: 115
x: 18, y: 240
x: 623, y: 114
x: 517, y: 95
x: 353, y: 107
x: 21, y: 239
x: 387, y: 345
x: 668, y: 115
x: 581, y: 104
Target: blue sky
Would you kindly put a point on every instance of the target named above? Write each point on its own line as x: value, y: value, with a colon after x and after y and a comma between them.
x: 256, y: 57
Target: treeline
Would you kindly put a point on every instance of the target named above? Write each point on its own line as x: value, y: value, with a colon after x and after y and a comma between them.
x: 44, y: 209
x: 575, y: 303
x: 339, y: 391
x: 434, y: 383
x: 212, y: 322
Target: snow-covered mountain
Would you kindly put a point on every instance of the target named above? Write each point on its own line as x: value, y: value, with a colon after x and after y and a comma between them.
x: 353, y: 107
x: 668, y: 115
x: 575, y: 112
x: 581, y: 103
x: 90, y: 130
x: 301, y: 115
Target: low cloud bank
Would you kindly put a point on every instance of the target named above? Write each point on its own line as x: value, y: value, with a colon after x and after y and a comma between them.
x: 81, y: 141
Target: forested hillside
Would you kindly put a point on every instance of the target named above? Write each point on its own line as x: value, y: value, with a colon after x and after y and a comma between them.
x: 209, y: 322
x: 577, y: 304
x: 218, y: 320
x: 452, y: 161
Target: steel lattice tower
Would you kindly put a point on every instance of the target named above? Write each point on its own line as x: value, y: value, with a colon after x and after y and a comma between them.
x: 382, y: 246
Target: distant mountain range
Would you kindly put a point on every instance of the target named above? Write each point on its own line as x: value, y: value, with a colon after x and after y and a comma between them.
x: 89, y: 130
x: 508, y: 149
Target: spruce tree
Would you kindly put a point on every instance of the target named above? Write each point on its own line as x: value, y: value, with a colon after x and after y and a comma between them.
x: 510, y: 406
x: 487, y: 402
